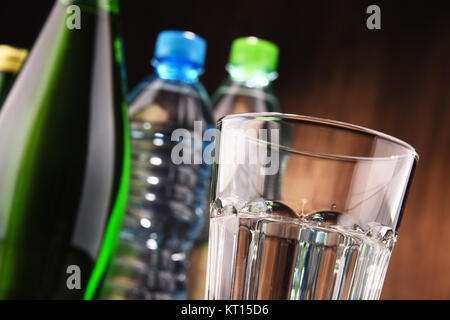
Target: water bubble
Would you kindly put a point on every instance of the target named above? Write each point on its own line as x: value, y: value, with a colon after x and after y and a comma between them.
x: 146, y: 223
x: 155, y: 161
x: 152, y: 244
x: 153, y: 180
x: 158, y: 142
x: 150, y: 196
x: 179, y: 256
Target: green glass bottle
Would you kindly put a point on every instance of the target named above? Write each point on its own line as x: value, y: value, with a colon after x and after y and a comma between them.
x: 64, y: 156
x: 11, y: 60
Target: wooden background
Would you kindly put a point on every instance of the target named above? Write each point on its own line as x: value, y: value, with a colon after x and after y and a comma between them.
x: 395, y: 80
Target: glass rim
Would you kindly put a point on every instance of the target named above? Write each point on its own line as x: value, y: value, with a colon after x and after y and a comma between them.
x: 274, y: 116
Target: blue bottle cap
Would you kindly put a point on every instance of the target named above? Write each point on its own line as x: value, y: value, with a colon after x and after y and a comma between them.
x: 182, y: 46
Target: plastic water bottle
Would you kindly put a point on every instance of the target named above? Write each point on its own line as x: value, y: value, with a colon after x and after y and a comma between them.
x: 166, y: 210
x: 251, y: 68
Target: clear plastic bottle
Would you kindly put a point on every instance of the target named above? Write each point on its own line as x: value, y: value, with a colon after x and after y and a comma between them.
x: 167, y: 201
x: 251, y: 68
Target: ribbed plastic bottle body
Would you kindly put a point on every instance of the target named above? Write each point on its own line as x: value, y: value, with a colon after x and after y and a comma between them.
x: 239, y: 97
x: 167, y: 200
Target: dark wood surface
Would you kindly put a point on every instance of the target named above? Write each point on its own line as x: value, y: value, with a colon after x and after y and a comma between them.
x: 395, y: 80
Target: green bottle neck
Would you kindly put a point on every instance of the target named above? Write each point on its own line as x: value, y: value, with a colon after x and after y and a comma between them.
x: 251, y: 77
x: 108, y: 5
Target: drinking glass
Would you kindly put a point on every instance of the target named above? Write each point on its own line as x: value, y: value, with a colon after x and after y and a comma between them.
x: 303, y: 208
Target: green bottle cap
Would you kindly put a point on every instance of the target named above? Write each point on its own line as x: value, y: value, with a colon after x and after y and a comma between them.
x: 254, y: 53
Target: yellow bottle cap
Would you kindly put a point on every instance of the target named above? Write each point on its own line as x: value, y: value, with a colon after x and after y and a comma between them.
x: 11, y: 58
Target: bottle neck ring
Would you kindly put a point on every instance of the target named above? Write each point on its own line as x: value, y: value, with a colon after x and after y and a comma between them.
x: 251, y: 76
x: 177, y: 70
